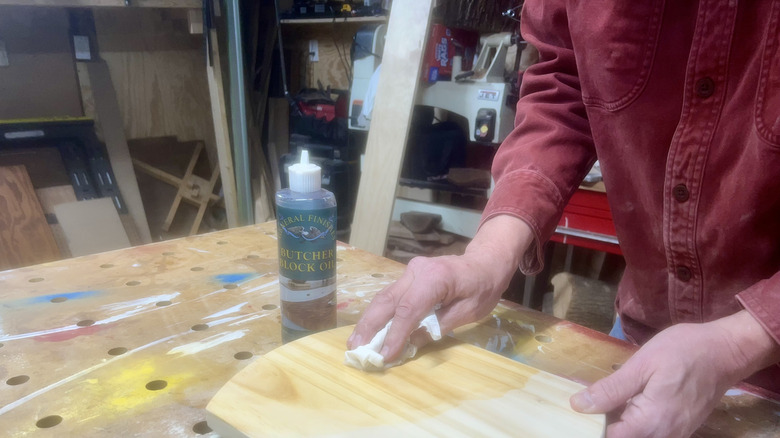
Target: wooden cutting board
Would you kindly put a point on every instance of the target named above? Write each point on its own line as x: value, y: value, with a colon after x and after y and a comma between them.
x: 451, y: 389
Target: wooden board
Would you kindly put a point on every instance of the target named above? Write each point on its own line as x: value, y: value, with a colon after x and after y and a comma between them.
x: 50, y: 197
x: 395, y: 96
x: 451, y: 389
x: 40, y: 79
x: 44, y: 164
x: 222, y: 132
x: 91, y: 226
x: 218, y: 296
x: 110, y: 121
x: 25, y: 237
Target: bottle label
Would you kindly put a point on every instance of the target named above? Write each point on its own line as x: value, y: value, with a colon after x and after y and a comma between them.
x: 307, y: 243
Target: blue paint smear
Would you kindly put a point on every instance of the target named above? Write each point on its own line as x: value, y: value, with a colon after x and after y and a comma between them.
x: 234, y: 278
x: 47, y: 298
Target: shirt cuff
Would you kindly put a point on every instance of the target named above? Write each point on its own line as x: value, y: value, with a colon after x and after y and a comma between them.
x: 762, y: 300
x: 533, y: 198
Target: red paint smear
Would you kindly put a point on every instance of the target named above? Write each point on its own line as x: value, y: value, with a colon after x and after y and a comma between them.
x: 68, y: 334
x: 342, y: 306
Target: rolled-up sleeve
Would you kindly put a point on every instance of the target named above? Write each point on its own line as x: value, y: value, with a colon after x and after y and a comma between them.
x: 542, y: 162
x: 762, y: 300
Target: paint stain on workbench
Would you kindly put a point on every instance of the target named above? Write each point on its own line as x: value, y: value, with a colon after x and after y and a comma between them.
x: 235, y: 278
x: 51, y: 298
x: 69, y: 334
x: 135, y: 385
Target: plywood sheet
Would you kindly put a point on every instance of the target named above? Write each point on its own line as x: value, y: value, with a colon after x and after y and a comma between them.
x: 50, y: 197
x: 25, y: 237
x: 40, y: 79
x: 91, y: 226
x: 304, y: 389
x: 44, y: 164
x: 109, y: 118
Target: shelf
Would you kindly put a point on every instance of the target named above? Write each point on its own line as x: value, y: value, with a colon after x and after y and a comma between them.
x: 442, y: 186
x: 190, y: 4
x: 330, y: 20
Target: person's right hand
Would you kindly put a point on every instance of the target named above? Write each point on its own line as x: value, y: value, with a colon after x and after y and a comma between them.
x: 466, y: 287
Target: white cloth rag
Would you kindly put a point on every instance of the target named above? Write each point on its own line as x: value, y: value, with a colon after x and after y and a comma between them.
x: 367, y: 357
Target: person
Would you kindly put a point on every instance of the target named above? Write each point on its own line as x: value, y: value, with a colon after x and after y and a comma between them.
x: 680, y: 101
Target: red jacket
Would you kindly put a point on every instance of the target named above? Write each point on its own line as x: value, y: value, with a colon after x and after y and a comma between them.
x: 680, y: 101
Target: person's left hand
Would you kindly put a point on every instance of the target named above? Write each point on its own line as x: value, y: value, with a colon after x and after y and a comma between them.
x: 670, y: 386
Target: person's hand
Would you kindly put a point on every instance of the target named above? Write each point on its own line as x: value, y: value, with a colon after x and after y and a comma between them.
x: 465, y: 287
x: 670, y: 386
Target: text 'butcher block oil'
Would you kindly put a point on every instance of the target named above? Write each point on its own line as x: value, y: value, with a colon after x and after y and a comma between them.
x: 306, y: 226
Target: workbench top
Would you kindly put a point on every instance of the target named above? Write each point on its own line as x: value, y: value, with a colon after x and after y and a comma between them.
x: 135, y: 342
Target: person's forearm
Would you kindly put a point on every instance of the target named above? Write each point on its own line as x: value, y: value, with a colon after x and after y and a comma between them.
x: 505, y: 239
x: 751, y: 347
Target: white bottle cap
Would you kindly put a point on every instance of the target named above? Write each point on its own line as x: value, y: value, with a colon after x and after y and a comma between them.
x: 304, y: 176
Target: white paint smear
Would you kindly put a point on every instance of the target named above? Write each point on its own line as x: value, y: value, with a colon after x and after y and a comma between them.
x: 212, y: 341
x: 262, y: 287
x: 233, y: 309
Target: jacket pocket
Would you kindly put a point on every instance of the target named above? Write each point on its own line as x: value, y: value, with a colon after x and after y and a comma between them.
x: 615, y: 48
x: 767, y: 113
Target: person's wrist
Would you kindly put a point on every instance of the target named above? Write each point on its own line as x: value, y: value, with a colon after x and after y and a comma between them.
x: 498, y: 247
x: 749, y: 348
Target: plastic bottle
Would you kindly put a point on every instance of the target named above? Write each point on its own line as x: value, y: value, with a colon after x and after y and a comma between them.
x: 306, y: 228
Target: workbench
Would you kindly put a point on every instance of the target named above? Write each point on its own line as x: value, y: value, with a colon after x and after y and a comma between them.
x: 135, y: 342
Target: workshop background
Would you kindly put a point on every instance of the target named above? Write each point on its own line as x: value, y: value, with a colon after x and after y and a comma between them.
x: 124, y: 122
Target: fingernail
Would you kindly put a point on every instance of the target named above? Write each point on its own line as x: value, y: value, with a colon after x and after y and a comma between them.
x: 357, y: 341
x: 384, y: 351
x: 582, y: 401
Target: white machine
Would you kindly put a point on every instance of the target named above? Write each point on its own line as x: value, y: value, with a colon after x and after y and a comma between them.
x: 478, y: 95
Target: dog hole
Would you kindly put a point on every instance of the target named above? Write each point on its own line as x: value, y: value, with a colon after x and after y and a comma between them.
x: 243, y: 355
x: 163, y: 303
x: 85, y: 323
x: 156, y: 385
x: 132, y: 283
x: 377, y: 275
x: 59, y: 299
x: 543, y: 339
x: 616, y: 366
x: 196, y: 269
x: 36, y: 280
x: 106, y: 265
x: 230, y: 286
x: 199, y: 327
x: 201, y: 428
x: 222, y: 242
x: 117, y: 351
x: 269, y: 306
x: 253, y: 256
x: 17, y: 380
x: 50, y: 421
x: 168, y: 253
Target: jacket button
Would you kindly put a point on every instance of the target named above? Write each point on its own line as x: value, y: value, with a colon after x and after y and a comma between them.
x: 683, y: 274
x: 705, y: 87
x: 681, y: 193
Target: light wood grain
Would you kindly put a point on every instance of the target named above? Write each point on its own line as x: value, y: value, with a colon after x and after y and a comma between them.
x: 395, y: 96
x: 222, y: 131
x: 73, y: 375
x: 304, y: 389
x: 25, y: 237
